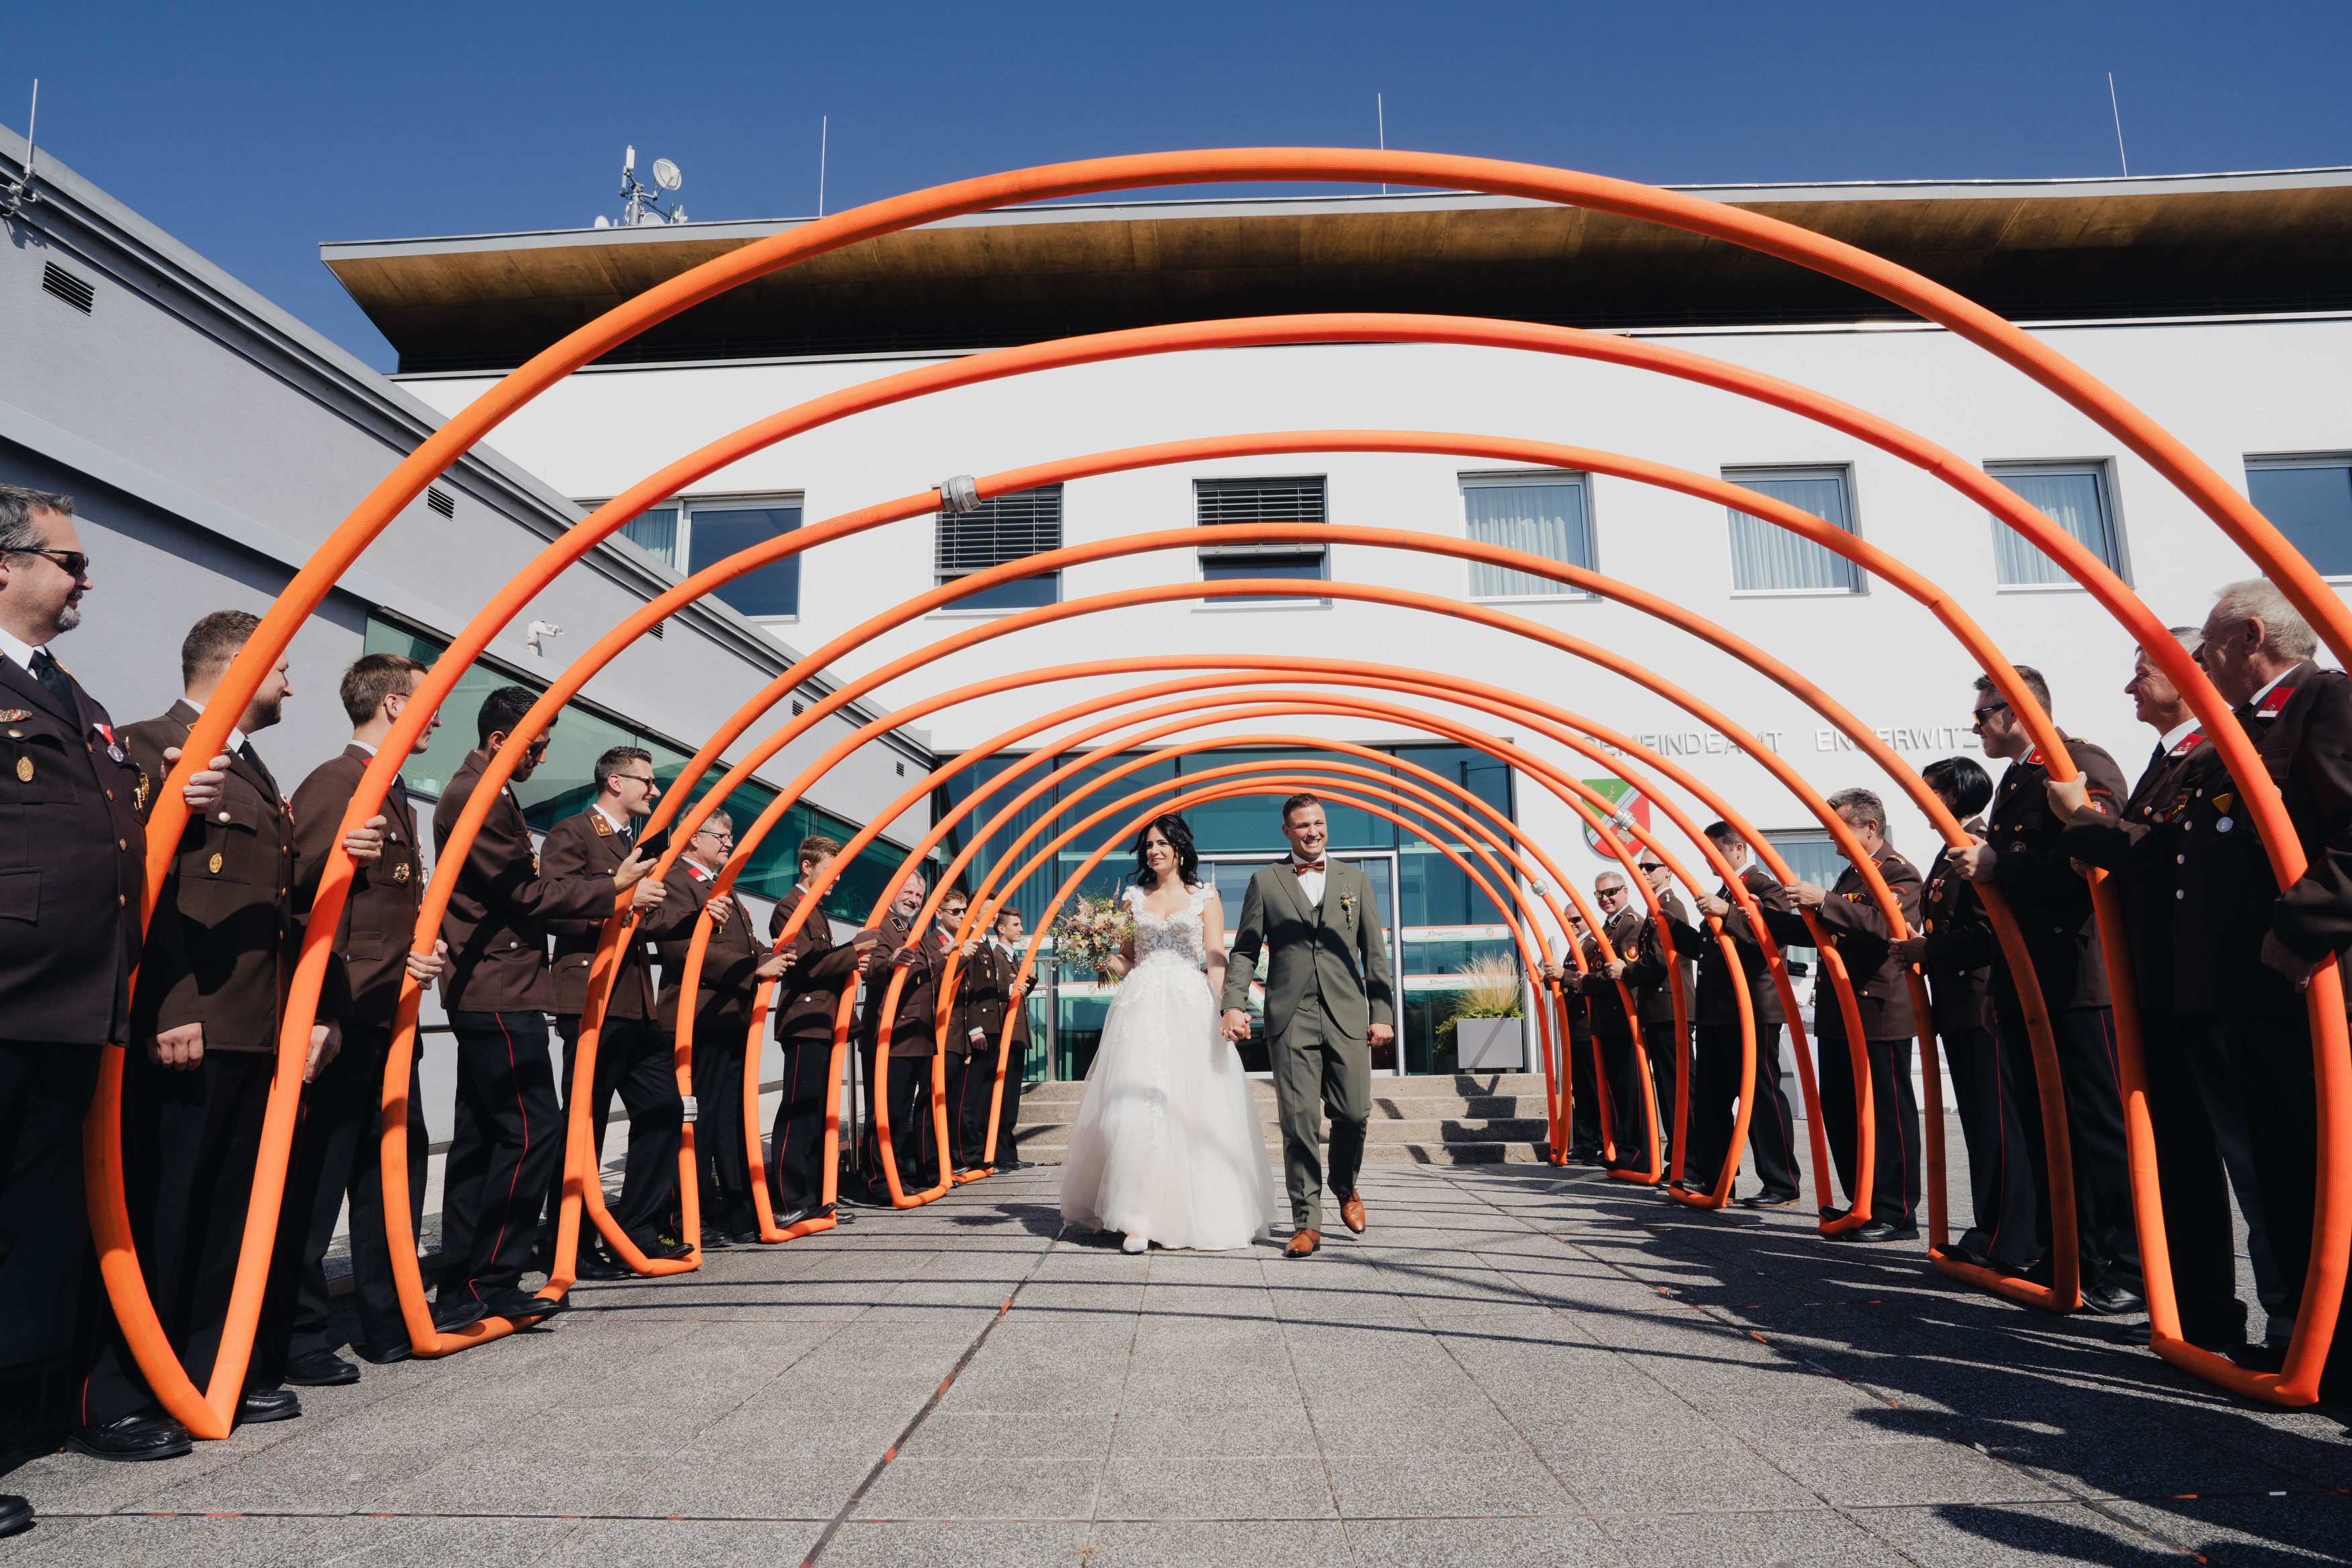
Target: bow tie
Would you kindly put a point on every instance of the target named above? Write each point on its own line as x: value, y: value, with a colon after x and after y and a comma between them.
x: 1303, y: 867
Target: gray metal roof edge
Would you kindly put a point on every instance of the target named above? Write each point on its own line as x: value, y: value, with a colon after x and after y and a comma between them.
x: 355, y: 378
x: 1396, y: 201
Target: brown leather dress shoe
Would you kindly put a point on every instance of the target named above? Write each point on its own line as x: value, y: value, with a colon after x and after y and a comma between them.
x: 1352, y: 1211
x: 1303, y: 1243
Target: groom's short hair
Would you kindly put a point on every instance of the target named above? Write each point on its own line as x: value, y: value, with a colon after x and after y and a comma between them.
x: 1297, y: 803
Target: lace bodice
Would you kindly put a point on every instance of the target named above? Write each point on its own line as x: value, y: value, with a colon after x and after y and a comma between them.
x: 1159, y: 938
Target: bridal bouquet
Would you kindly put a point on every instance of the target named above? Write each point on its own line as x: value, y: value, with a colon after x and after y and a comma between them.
x: 1090, y: 931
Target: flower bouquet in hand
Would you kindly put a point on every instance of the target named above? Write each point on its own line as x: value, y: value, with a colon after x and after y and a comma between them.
x: 1091, y: 933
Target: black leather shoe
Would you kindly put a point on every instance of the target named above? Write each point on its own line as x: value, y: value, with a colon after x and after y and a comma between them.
x: 669, y: 1245
x: 149, y: 1436
x: 1880, y: 1230
x: 516, y: 1305
x: 382, y: 1355
x: 1014, y: 1164
x: 595, y: 1263
x: 2269, y: 1356
x: 716, y: 1240
x: 1767, y: 1201
x: 261, y: 1404
x: 15, y: 1514
x: 786, y: 1222
x: 2107, y: 1298
x: 459, y: 1312
x: 319, y: 1369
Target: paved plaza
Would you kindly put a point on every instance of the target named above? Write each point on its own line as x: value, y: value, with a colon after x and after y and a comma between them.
x: 1514, y: 1366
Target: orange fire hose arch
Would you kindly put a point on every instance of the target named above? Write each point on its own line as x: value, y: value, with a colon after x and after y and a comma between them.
x: 2236, y: 516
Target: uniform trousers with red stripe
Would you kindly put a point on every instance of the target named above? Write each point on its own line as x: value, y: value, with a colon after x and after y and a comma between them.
x: 505, y: 1144
x: 972, y: 1093
x: 796, y: 1144
x: 1895, y: 1117
x: 2091, y: 1079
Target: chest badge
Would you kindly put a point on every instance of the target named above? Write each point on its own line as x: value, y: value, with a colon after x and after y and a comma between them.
x: 139, y: 792
x: 2223, y: 826
x: 216, y: 864
x: 400, y: 872
x: 25, y: 770
x: 11, y: 715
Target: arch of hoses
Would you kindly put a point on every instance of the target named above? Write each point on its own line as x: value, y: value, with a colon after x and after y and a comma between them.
x: 207, y: 1412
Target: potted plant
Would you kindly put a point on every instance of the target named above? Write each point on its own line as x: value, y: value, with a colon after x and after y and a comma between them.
x: 1486, y: 1023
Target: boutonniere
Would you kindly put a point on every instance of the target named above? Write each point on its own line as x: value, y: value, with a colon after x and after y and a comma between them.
x: 1348, y: 905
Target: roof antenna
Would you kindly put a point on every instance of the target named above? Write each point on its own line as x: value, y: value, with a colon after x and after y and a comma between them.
x: 20, y: 193
x: 2116, y: 109
x: 823, y: 131
x: 1380, y: 117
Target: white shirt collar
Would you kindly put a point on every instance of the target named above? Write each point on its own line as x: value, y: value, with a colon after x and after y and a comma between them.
x: 2257, y: 697
x: 618, y: 825
x: 235, y: 740
x: 18, y: 649
x: 2178, y: 733
x: 1298, y: 859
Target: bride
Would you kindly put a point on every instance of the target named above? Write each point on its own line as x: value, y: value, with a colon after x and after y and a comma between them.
x: 1167, y: 1146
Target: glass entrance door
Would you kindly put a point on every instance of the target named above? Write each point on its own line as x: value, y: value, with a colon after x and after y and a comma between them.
x: 1231, y: 874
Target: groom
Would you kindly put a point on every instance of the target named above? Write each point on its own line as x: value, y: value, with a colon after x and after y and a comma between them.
x: 1327, y: 1002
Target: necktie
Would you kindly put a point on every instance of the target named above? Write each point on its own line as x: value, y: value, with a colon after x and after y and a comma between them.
x: 2156, y: 756
x: 1302, y: 867
x: 252, y: 758
x: 60, y: 685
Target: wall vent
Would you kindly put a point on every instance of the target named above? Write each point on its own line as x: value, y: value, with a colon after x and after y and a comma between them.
x: 78, y: 292
x: 658, y: 626
x: 902, y: 770
x: 441, y: 500
x: 799, y: 708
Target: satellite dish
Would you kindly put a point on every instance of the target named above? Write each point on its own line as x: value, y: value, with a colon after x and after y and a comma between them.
x: 666, y: 174
x: 629, y: 162
x: 603, y: 222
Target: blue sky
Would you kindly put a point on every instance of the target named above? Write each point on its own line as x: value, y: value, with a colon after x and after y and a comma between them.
x: 257, y: 130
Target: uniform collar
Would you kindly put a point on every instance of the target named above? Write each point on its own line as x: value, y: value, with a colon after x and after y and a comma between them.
x: 19, y: 650
x: 2178, y: 733
x: 619, y: 826
x: 2255, y: 701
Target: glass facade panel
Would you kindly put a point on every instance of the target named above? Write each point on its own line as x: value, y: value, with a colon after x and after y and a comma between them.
x: 1543, y: 517
x: 563, y: 786
x: 1766, y: 559
x: 715, y: 532
x: 655, y: 528
x: 2075, y: 496
x: 2310, y: 501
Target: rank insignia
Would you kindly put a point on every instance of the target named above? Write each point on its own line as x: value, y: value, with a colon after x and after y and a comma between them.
x: 2275, y: 701
x: 2222, y: 803
x: 2188, y: 744
x: 11, y: 715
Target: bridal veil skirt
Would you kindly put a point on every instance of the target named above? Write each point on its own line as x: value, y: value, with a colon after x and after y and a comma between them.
x: 1168, y: 1144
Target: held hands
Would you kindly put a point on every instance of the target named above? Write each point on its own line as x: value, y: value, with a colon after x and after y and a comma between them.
x: 364, y: 844
x: 326, y: 1044
x: 426, y: 967
x: 1805, y: 896
x: 1236, y: 1025
x: 182, y: 1048
x: 203, y: 790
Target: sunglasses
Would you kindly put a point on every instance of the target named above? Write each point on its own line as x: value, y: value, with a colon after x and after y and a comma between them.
x: 1608, y: 892
x: 75, y: 562
x: 1652, y: 870
x: 1977, y: 714
x: 536, y: 749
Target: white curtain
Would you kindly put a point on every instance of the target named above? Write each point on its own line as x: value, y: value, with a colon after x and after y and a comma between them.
x: 1766, y: 558
x: 1546, y: 520
x: 2077, y: 501
x: 656, y: 530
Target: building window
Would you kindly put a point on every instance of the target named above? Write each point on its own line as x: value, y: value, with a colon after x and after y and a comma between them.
x: 2075, y: 496
x: 1220, y: 501
x: 1005, y: 527
x: 1542, y: 514
x: 691, y: 534
x: 2309, y: 500
x: 1768, y: 559
x: 1811, y: 853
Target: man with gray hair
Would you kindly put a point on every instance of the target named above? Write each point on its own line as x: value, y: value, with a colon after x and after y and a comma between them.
x: 1858, y: 929
x: 2257, y: 650
x: 71, y: 878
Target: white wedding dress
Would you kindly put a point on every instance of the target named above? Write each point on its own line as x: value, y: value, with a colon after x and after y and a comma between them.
x: 1167, y: 1143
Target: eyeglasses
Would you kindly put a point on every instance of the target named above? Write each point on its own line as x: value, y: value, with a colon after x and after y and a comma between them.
x: 75, y: 562
x: 644, y: 779
x: 1652, y: 870
x: 720, y: 834
x: 1977, y: 714
x: 1608, y: 892
x: 536, y: 749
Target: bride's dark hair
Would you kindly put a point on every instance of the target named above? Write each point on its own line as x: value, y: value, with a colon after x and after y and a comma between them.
x: 1179, y: 834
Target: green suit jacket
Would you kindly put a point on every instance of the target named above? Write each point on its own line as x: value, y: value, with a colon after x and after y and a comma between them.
x: 1336, y: 947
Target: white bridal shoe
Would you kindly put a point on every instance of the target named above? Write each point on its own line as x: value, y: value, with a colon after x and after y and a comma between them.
x: 1134, y: 1244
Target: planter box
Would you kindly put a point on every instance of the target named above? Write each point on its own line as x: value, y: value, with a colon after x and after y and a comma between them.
x: 1488, y: 1045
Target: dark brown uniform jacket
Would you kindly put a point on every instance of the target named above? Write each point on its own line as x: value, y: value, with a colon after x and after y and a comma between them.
x: 495, y: 925
x: 1608, y: 1003
x: 72, y: 866
x: 1851, y: 918
x: 1719, y: 999
x: 983, y: 994
x: 1645, y: 971
x: 2303, y: 728
x: 379, y: 918
x: 722, y: 998
x: 2052, y: 903
x: 912, y: 1026
x: 224, y: 935
x: 586, y: 846
x: 1958, y: 962
x: 808, y: 994
x: 2145, y: 848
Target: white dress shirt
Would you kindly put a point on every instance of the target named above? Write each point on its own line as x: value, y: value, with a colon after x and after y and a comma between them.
x: 1309, y: 882
x: 18, y: 649
x: 2257, y: 697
